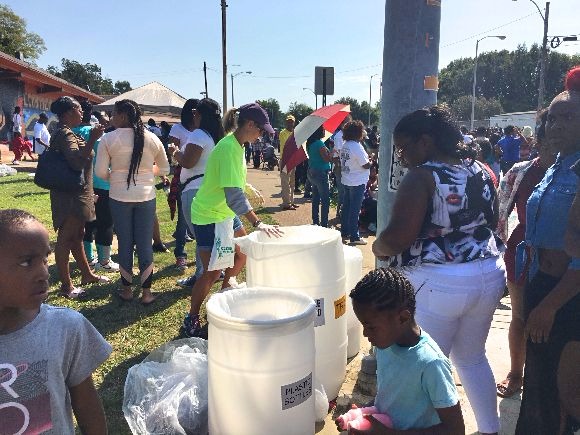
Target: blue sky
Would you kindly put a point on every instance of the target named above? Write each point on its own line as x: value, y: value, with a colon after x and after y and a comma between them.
x: 280, y: 41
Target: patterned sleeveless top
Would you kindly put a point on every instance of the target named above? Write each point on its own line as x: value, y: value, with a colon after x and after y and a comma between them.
x: 457, y: 226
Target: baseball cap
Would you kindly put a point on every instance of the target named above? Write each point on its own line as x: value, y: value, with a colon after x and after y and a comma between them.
x: 527, y: 132
x: 255, y: 112
x: 290, y: 118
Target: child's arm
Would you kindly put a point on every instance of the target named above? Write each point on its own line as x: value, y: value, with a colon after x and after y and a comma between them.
x: 87, y: 408
x: 451, y: 424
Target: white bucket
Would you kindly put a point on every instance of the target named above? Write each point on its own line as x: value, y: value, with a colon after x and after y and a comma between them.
x: 353, y: 264
x: 260, y: 362
x: 307, y: 259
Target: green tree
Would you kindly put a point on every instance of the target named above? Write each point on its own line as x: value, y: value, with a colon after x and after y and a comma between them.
x: 355, y: 108
x: 89, y: 77
x: 375, y: 113
x: 299, y: 110
x: 272, y: 106
x: 484, y: 108
x: 121, y: 87
x: 511, y: 77
x: 15, y: 38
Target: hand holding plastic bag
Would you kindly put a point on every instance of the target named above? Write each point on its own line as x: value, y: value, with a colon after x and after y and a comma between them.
x: 270, y: 230
x: 254, y: 196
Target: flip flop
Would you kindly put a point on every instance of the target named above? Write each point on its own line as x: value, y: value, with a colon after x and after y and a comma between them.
x: 75, y: 293
x: 101, y: 279
x: 123, y: 298
x: 503, y: 388
x: 154, y: 298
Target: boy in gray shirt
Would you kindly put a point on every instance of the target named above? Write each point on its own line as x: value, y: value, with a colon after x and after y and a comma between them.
x: 47, y: 354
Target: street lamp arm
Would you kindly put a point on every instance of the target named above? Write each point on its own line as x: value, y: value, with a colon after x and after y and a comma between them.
x: 539, y: 10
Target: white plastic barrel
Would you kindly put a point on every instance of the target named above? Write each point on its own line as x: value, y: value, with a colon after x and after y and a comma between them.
x: 260, y: 362
x: 307, y: 259
x: 353, y: 265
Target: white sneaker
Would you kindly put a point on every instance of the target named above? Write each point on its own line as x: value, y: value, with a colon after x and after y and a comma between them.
x: 109, y: 266
x: 93, y: 263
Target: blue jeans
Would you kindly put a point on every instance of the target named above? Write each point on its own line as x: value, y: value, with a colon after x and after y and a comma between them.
x: 186, y: 200
x: 134, y: 227
x: 320, y: 195
x: 180, y: 232
x: 352, y: 203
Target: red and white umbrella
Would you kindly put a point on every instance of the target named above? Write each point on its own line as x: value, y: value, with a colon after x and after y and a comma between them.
x: 330, y: 117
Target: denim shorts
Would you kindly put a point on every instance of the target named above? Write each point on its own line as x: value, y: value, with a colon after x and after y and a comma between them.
x: 205, y: 234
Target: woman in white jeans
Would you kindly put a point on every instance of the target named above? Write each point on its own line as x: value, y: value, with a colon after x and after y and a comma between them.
x: 441, y: 235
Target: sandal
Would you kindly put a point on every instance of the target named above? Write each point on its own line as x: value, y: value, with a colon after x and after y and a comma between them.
x: 100, y: 280
x: 119, y: 294
x: 510, y: 386
x: 74, y: 293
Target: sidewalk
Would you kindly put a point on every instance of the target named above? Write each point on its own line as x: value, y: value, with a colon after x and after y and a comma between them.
x: 358, y: 387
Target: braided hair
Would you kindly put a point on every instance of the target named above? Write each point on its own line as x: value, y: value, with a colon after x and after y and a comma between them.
x: 133, y: 112
x: 436, y: 122
x: 385, y: 289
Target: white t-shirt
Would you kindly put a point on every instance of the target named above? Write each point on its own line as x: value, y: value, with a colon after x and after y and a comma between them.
x: 338, y: 142
x: 59, y: 349
x: 352, y: 158
x: 178, y: 131
x: 40, y: 132
x: 17, y: 123
x: 200, y: 138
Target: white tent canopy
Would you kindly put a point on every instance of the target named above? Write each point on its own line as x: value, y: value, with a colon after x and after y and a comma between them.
x: 153, y: 98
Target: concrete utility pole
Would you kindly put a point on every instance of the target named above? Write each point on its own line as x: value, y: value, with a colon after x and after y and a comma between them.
x: 224, y: 59
x: 410, y: 66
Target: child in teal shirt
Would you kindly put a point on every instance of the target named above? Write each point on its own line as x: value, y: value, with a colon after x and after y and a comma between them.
x: 414, y: 382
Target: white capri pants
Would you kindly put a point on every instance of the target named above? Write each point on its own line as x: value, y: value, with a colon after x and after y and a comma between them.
x: 455, y: 305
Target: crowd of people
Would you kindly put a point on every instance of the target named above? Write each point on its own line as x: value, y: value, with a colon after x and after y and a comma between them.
x: 447, y: 244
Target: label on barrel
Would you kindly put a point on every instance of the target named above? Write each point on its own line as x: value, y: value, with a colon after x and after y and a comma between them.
x: 319, y: 312
x: 340, y: 307
x: 296, y: 393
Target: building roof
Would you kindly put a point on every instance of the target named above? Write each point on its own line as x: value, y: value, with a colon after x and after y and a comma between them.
x: 13, y: 68
x: 152, y: 97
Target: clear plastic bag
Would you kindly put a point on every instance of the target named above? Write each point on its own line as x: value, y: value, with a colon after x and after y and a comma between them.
x: 6, y: 170
x: 167, y: 392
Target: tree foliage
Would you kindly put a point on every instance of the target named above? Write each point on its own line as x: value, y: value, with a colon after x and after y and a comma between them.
x: 360, y: 111
x: 299, y: 110
x: 511, y: 77
x: 272, y: 106
x: 15, y: 38
x: 89, y: 77
x: 484, y: 108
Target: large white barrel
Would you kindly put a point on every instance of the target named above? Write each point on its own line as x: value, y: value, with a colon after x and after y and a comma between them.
x: 308, y: 259
x: 353, y: 266
x: 260, y: 362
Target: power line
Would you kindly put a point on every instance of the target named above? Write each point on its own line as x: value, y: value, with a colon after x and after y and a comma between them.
x: 487, y: 31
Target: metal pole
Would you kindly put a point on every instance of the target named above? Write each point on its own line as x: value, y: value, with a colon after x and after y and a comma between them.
x: 316, y: 100
x: 233, y: 104
x: 224, y: 59
x: 474, y: 85
x: 370, y: 97
x: 544, y: 54
x: 205, y: 78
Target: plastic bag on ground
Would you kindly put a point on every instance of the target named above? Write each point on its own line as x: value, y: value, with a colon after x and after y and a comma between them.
x: 167, y: 392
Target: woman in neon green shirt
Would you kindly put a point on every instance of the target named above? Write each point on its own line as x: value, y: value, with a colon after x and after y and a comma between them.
x: 220, y: 197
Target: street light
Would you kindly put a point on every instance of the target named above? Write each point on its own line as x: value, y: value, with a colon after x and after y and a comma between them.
x: 235, y: 75
x: 315, y: 96
x: 502, y: 37
x: 370, y: 96
x: 544, y: 53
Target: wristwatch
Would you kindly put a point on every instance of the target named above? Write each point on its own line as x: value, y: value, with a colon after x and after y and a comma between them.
x: 255, y: 224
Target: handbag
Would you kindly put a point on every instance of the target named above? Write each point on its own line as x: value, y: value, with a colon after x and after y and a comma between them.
x: 54, y: 173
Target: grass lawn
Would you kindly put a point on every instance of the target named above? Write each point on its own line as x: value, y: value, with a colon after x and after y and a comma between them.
x: 132, y: 329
